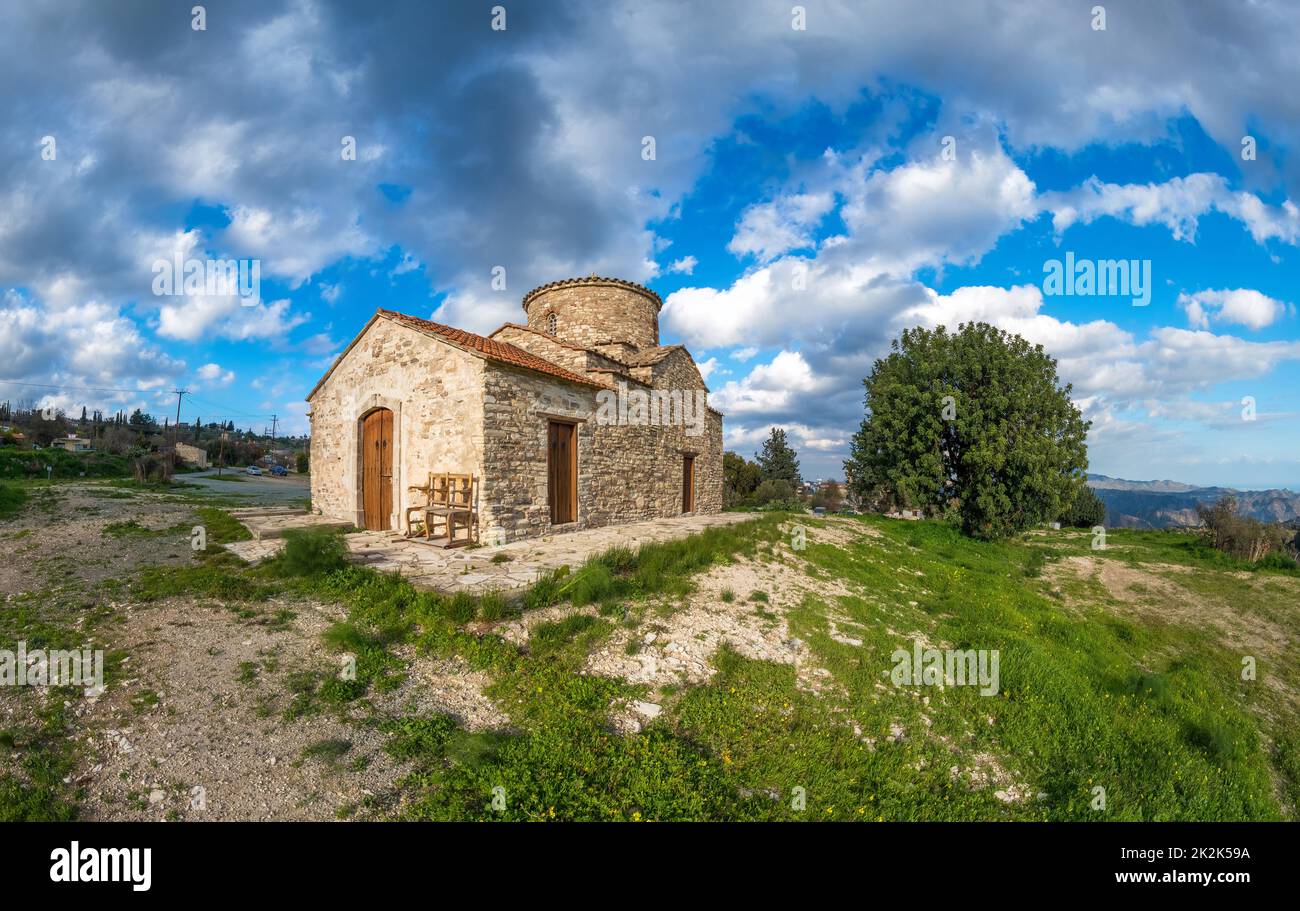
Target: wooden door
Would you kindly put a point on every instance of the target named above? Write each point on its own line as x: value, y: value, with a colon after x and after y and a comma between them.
x: 562, y: 472
x: 688, y: 483
x: 377, y: 469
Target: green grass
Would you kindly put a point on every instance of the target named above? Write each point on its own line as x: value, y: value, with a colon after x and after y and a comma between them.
x: 1154, y: 713
x: 221, y: 527
x: 1091, y: 694
x: 36, y: 753
x: 12, y: 499
x: 58, y: 464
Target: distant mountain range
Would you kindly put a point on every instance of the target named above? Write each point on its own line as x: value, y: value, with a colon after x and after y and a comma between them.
x: 1160, y: 504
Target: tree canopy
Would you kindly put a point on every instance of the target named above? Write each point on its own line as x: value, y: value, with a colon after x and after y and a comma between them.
x: 778, y: 461
x: 973, y: 423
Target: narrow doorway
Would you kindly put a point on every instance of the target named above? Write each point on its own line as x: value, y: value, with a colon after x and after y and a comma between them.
x: 377, y: 469
x: 562, y: 472
x: 688, y: 483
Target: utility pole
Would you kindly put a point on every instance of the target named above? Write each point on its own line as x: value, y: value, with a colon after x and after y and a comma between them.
x: 274, y: 421
x: 180, y: 394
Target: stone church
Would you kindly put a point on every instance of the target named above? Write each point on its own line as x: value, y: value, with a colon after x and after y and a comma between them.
x: 575, y: 419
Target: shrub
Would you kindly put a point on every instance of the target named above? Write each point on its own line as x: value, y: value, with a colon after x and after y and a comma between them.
x: 11, y: 500
x: 1238, y: 535
x: 309, y: 552
x: 153, y: 467
x: 1087, y: 510
x: 459, y: 608
x: 493, y: 606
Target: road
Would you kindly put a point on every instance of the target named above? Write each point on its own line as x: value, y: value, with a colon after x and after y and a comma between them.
x: 264, y: 490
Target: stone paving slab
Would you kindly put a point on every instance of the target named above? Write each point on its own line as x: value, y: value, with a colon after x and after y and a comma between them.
x: 463, y: 569
x: 273, y: 525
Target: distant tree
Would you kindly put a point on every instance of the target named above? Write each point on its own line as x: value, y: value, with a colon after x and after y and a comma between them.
x: 1238, y: 535
x: 1087, y: 510
x: 43, y: 430
x: 302, y: 462
x: 776, y: 493
x: 972, y: 422
x: 778, y: 461
x: 142, y: 421
x: 740, y: 477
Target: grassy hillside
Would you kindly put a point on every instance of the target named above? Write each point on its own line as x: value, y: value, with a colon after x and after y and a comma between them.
x: 1133, y: 685
x: 733, y: 676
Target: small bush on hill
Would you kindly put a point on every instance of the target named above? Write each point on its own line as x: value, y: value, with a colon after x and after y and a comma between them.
x: 776, y: 494
x: 11, y: 500
x: 1238, y: 535
x: 309, y: 552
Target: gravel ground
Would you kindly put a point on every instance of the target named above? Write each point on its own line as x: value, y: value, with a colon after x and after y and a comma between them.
x: 196, y: 726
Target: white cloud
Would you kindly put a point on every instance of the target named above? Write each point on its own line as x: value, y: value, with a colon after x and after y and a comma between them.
x: 298, y: 241
x: 684, y: 266
x: 767, y: 230
x: 1177, y: 204
x: 933, y: 211
x: 216, y: 375
x: 1242, y: 306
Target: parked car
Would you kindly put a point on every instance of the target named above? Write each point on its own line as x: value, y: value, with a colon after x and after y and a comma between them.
x: 252, y: 469
x: 279, y: 471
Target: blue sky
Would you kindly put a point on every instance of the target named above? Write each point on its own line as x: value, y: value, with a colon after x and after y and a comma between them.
x: 812, y: 193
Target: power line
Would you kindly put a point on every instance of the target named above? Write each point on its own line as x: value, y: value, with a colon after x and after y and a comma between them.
x: 75, y: 388
x: 144, y: 392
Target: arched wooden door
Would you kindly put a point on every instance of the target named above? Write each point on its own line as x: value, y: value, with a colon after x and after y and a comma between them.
x: 377, y: 469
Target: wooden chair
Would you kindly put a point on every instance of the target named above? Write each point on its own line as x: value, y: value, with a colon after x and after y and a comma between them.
x: 452, y: 501
x: 427, y: 492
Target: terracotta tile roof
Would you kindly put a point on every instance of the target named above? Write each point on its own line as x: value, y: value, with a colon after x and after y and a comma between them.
x: 650, y: 356
x: 542, y: 333
x: 501, y: 352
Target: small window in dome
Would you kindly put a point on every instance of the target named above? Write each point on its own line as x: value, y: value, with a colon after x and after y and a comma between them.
x: 552, y: 323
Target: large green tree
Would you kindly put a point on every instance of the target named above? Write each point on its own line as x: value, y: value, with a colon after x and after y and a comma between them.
x: 973, y: 421
x: 778, y: 461
x: 740, y: 477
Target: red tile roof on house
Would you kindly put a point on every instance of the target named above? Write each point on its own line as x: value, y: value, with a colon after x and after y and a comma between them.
x: 501, y: 352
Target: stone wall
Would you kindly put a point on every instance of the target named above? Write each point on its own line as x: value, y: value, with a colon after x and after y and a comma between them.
x: 454, y: 411
x: 435, y: 392
x: 625, y: 473
x: 595, y: 312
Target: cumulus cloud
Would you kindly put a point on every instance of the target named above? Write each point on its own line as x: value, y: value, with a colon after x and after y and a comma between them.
x: 216, y: 375
x: 1242, y: 307
x: 1177, y: 204
x: 767, y: 230
x: 527, y: 156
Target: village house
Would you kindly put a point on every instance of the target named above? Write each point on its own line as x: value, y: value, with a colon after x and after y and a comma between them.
x: 72, y: 443
x: 575, y: 419
x: 192, y: 455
